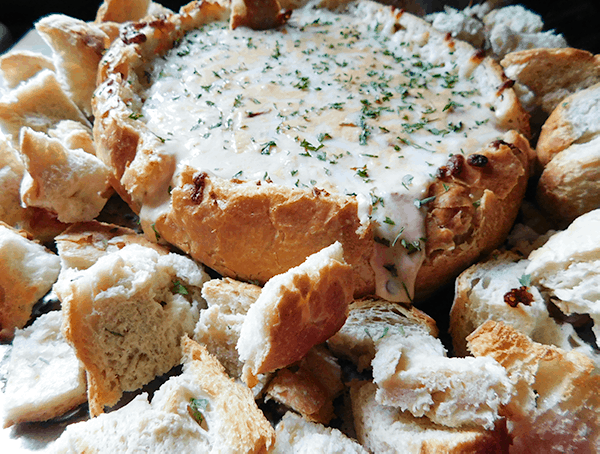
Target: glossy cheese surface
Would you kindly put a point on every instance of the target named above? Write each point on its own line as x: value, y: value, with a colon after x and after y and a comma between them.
x: 350, y: 103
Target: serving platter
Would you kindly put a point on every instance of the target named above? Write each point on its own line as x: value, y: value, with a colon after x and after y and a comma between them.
x: 39, y: 436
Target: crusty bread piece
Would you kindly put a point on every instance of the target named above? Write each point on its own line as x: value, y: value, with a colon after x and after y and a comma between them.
x: 235, y: 424
x: 309, y: 386
x: 566, y: 268
x: 557, y: 405
x: 45, y: 378
x: 296, y: 311
x: 74, y: 135
x: 27, y: 272
x: 207, y: 216
x: 515, y: 28
x: 369, y: 320
x: 200, y: 411
x: 219, y: 325
x: 40, y: 223
x: 78, y: 47
x: 544, y: 77
x: 298, y: 435
x: 71, y: 183
x: 412, y: 372
x: 120, y: 11
x: 23, y: 106
x: 572, y: 122
x: 463, y: 24
x: 11, y: 174
x: 83, y: 243
x: 17, y: 66
x: 569, y: 185
x: 483, y: 292
x: 125, y: 316
x: 380, y: 428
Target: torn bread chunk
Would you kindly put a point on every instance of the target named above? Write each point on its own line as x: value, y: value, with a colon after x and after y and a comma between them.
x: 83, y: 243
x: 125, y: 316
x: 309, y: 386
x: 514, y: 28
x: 544, y: 77
x: 220, y: 324
x: 296, y: 435
x: 295, y: 311
x: 45, y: 378
x: 500, y: 289
x: 371, y: 319
x: 413, y: 373
x: 380, y: 428
x: 27, y: 272
x: 23, y: 106
x: 74, y: 135
x: 567, y: 268
x: 40, y: 223
x: 71, y: 183
x: 18, y: 66
x: 556, y: 407
x: 77, y: 47
x: 199, y: 411
x: 119, y: 11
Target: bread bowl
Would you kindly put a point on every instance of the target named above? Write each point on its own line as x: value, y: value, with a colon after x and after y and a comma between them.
x: 283, y: 206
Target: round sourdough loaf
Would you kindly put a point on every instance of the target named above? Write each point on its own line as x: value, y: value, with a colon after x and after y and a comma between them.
x: 252, y: 149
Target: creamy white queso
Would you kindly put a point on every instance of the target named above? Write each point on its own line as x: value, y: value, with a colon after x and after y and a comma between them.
x: 340, y: 102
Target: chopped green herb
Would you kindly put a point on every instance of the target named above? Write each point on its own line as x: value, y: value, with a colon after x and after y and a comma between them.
x: 179, y: 288
x: 525, y: 280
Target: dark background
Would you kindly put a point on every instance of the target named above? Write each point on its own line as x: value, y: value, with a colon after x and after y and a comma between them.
x: 577, y: 20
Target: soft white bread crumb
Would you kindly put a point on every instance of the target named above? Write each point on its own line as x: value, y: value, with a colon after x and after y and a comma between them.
x: 45, y: 378
x: 298, y: 436
x: 309, y: 386
x: 413, y: 373
x: 125, y: 316
x: 383, y: 429
x: 556, y: 407
x: 296, y: 310
x: 17, y: 66
x: 461, y: 24
x: 200, y: 411
x: 568, y: 268
x: 27, y: 272
x: 220, y: 324
x: 22, y: 106
x: 480, y: 295
x: 514, y: 28
x: 371, y: 319
x: 71, y: 183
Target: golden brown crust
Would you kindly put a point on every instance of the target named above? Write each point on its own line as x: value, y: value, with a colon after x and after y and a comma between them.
x: 568, y: 186
x: 254, y: 232
x: 295, y: 312
x: 120, y: 11
x: 279, y: 227
x: 474, y: 209
x: 309, y: 386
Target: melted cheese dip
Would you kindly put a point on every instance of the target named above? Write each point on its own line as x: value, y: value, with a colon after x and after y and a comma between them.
x: 342, y: 102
